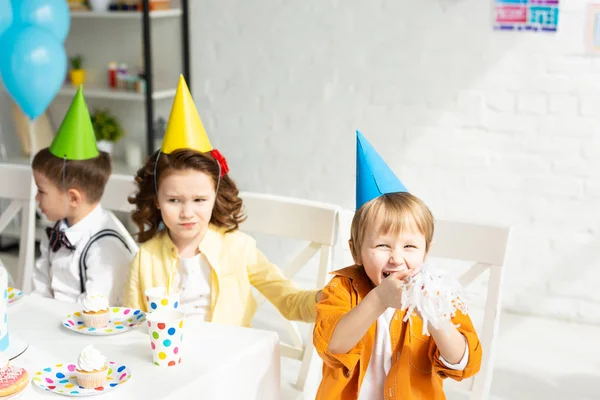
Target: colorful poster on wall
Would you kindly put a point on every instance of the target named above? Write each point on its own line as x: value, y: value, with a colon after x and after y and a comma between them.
x: 526, y: 15
x: 592, y: 31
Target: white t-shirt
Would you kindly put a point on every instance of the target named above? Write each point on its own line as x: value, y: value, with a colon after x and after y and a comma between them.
x: 193, y: 280
x: 381, y: 359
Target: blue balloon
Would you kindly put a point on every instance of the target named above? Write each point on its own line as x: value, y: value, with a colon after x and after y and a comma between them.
x: 53, y: 15
x: 6, y: 15
x: 33, y: 66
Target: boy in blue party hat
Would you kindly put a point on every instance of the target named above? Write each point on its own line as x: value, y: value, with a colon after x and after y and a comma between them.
x: 372, y: 343
x: 83, y: 253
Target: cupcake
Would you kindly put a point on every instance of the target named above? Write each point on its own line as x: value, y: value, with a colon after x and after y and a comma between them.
x: 91, y: 368
x: 95, y: 311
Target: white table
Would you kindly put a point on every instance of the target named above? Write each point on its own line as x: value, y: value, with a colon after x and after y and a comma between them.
x: 220, y: 362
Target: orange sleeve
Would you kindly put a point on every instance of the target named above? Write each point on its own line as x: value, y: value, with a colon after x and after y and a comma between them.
x: 336, y: 302
x: 465, y: 326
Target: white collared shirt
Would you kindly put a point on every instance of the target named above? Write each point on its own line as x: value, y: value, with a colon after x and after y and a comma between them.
x: 193, y: 280
x: 56, y: 274
x: 381, y: 360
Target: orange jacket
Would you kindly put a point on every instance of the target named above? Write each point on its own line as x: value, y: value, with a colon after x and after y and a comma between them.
x: 416, y: 371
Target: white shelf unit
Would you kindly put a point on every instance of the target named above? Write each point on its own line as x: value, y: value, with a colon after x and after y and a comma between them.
x: 159, y: 85
x: 96, y: 91
x: 104, y: 92
x: 176, y: 12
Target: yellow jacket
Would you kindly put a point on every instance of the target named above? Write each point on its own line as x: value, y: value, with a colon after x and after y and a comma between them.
x: 236, y: 265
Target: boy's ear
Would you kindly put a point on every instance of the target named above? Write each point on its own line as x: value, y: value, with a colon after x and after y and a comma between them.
x: 355, y: 254
x: 75, y: 197
x: 428, y: 250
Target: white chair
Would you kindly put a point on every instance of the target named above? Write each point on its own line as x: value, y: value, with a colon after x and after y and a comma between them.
x: 302, y: 220
x: 117, y: 189
x: 18, y: 186
x: 485, y: 246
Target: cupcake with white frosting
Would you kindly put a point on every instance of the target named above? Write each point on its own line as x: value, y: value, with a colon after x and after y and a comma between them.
x: 95, y: 311
x: 91, y: 370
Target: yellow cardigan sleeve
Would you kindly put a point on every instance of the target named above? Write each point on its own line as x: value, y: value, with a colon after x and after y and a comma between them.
x: 293, y: 303
x: 133, y: 296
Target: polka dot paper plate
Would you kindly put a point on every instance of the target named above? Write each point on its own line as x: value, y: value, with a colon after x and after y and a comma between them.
x: 122, y: 319
x: 14, y: 295
x: 61, y: 379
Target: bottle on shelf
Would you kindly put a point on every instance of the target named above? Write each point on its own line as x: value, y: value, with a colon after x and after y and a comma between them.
x: 155, y: 5
x: 112, y: 74
x: 122, y: 76
x: 125, y: 5
x: 141, y: 83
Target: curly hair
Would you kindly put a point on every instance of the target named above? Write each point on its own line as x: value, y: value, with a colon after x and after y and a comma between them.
x: 227, y: 212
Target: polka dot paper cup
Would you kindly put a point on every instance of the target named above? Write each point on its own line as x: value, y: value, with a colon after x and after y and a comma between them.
x: 166, y: 337
x: 156, y: 299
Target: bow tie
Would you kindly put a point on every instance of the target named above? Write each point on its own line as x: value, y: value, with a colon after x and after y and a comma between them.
x: 57, y: 239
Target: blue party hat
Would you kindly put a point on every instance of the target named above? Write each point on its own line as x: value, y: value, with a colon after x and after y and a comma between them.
x: 373, y: 176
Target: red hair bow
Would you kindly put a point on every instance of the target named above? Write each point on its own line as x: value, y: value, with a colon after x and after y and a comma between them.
x: 221, y: 160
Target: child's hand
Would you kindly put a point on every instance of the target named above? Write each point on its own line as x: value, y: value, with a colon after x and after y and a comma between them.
x: 389, y: 291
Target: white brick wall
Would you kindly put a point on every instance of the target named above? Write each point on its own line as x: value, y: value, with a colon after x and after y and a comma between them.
x: 489, y: 126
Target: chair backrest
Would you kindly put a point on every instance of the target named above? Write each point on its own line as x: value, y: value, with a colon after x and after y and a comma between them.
x: 15, y: 178
x: 485, y: 246
x: 312, y: 222
x: 118, y: 188
x: 18, y: 186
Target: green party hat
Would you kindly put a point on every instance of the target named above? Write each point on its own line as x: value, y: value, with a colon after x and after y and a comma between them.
x: 75, y: 139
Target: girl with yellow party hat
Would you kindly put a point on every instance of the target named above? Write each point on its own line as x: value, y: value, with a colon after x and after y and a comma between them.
x: 200, y: 253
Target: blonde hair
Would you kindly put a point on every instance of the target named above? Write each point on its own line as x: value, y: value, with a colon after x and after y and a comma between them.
x: 395, y: 212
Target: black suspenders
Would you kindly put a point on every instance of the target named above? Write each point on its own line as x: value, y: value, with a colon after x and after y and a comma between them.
x: 82, y: 265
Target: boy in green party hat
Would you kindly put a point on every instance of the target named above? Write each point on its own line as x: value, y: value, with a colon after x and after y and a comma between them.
x: 83, y: 253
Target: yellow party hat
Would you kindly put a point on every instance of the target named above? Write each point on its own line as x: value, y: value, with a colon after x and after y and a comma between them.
x: 185, y: 129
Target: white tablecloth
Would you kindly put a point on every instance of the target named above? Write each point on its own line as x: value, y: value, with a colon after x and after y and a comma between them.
x: 219, y: 362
